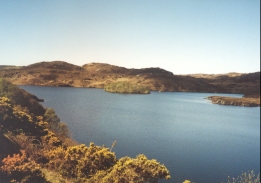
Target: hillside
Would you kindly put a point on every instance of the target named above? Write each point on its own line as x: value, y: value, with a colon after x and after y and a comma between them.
x: 97, y: 75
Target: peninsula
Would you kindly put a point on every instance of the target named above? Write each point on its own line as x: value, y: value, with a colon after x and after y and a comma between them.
x: 248, y: 102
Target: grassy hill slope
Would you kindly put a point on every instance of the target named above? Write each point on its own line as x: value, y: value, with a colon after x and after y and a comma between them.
x: 98, y: 75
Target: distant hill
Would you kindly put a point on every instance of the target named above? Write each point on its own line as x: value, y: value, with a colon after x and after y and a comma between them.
x: 9, y: 67
x: 60, y: 65
x: 98, y: 75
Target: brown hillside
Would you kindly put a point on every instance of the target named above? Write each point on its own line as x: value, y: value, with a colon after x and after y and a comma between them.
x: 60, y: 65
x: 97, y: 75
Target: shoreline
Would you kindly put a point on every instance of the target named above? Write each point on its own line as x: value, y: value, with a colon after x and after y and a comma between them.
x: 246, y: 102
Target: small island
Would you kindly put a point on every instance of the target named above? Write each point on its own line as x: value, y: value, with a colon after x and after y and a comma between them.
x: 126, y: 87
x: 248, y: 102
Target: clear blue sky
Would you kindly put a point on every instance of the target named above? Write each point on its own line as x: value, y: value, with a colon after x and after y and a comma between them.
x: 182, y: 36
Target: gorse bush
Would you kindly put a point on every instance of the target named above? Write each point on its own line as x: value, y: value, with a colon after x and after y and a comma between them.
x: 80, y: 161
x: 19, y: 169
x: 17, y: 121
x: 98, y: 164
x: 20, y: 97
x: 136, y: 170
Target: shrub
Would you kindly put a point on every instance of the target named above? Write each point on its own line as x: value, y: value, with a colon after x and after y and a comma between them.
x: 138, y: 170
x: 80, y: 161
x: 51, y: 140
x: 20, y: 169
x: 20, y: 97
x: 14, y: 120
x: 246, y: 177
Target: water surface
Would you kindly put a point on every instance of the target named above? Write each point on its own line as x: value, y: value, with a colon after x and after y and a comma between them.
x: 195, y: 139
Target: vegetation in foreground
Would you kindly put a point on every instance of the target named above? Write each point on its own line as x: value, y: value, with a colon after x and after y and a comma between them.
x: 38, y: 148
x: 126, y: 87
x: 246, y: 177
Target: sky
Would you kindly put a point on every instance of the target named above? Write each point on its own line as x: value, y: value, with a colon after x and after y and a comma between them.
x: 181, y: 36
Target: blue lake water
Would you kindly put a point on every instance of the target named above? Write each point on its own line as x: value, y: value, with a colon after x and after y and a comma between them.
x: 193, y: 138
